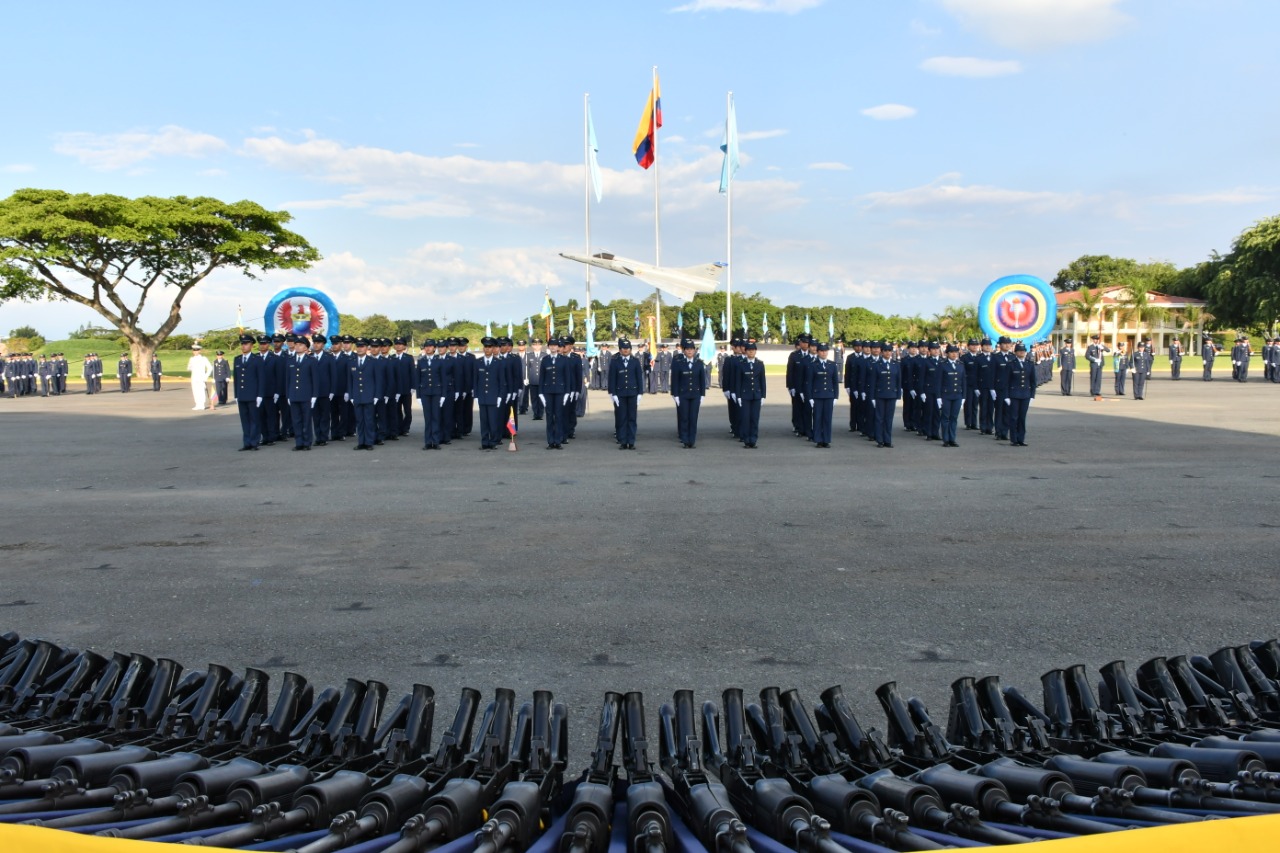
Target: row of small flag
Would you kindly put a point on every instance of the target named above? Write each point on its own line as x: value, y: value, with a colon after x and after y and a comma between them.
x: 589, y: 323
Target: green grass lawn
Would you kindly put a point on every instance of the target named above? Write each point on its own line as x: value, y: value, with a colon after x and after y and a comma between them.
x: 174, y: 361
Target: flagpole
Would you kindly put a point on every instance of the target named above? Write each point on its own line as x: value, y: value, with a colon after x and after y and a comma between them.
x: 657, y: 223
x: 728, y: 198
x: 586, y: 182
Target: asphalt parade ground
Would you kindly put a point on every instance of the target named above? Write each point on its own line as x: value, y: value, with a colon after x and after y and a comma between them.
x: 1126, y: 529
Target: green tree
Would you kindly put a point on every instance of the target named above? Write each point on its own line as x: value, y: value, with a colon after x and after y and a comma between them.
x: 1246, y: 291
x: 1088, y: 271
x: 114, y: 254
x: 960, y: 322
x: 1087, y: 302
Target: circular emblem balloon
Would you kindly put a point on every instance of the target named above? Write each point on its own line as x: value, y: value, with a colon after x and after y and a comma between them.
x: 1022, y: 307
x: 301, y: 311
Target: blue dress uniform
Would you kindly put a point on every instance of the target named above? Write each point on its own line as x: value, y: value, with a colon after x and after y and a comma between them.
x: 850, y: 377
x: 1093, y: 354
x: 464, y: 409
x: 1208, y: 352
x: 432, y: 395
x: 221, y: 377
x: 553, y: 381
x: 1020, y: 389
x: 383, y: 405
x: 270, y: 415
x: 404, y: 374
x: 909, y: 368
x: 45, y: 370
x: 124, y: 373
x: 1141, y: 365
x: 626, y: 384
x: 972, y: 401
x: 302, y: 391
x: 750, y: 389
x: 689, y: 382
x: 1066, y: 367
x: 886, y: 388
x: 728, y: 381
x: 1000, y: 369
x: 930, y: 390
x: 796, y: 369
x: 322, y: 412
x: 247, y: 379
x: 1123, y: 362
x: 533, y: 376
x: 1175, y: 360
x: 283, y: 413
x: 821, y: 387
x: 489, y: 379
x: 341, y: 406
x: 573, y: 389
x: 953, y: 385
x: 362, y: 386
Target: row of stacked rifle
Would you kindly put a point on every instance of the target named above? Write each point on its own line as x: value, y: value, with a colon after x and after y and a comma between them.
x: 127, y: 746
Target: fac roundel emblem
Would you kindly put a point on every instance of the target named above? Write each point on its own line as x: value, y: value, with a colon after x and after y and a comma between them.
x: 301, y: 311
x: 1022, y: 307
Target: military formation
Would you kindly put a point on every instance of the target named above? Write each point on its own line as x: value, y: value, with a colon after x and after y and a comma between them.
x: 24, y: 375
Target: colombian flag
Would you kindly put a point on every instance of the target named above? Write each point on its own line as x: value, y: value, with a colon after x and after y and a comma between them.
x: 511, y: 420
x: 645, y: 143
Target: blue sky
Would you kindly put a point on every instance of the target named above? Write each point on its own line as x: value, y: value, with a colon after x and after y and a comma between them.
x: 896, y: 154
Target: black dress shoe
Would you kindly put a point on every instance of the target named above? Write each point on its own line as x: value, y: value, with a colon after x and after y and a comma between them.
x: 321, y: 443
x: 267, y: 443
x: 295, y: 448
x: 358, y: 447
x: 379, y: 441
x: 305, y: 447
x: 338, y: 438
x: 392, y: 438
x: 622, y: 447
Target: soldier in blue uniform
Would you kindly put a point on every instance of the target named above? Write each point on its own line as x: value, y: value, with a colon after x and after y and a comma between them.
x: 727, y: 383
x: 1066, y: 367
x: 1122, y: 364
x: 269, y: 414
x: 1175, y: 359
x: 283, y: 412
x: 404, y: 374
x: 821, y: 387
x: 247, y: 379
x: 432, y: 394
x: 302, y: 389
x: 625, y: 385
x: 749, y: 392
x: 952, y: 392
x: 1019, y: 391
x: 1274, y: 361
x: 930, y: 388
x: 886, y: 388
x: 340, y: 409
x: 1094, y: 354
x: 362, y: 386
x: 689, y: 381
x: 322, y: 411
x: 553, y: 381
x: 573, y: 389
x: 908, y: 366
x: 1141, y: 369
x: 489, y: 380
x: 221, y: 377
x: 533, y: 376
x: 850, y: 377
x: 1240, y: 355
x: 1208, y: 352
x: 45, y: 371
x: 797, y: 367
x: 972, y: 401
x: 124, y: 373
x: 515, y: 379
x: 464, y: 409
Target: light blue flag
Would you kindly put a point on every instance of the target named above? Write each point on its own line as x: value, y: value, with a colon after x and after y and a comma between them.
x: 764, y: 325
x: 551, y: 324
x: 637, y: 321
x: 680, y: 321
x: 488, y: 329
x: 613, y: 322
x: 831, y: 327
x: 746, y: 330
x: 508, y: 328
x: 593, y: 148
x: 591, y: 322
x: 591, y: 339
x: 707, y: 352
x: 571, y: 322
x: 730, y: 148
x: 724, y: 325
x: 529, y: 322
x: 806, y: 324
x: 702, y: 320
x: 784, y: 327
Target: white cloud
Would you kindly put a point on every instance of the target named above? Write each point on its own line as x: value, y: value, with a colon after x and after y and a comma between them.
x: 889, y: 112
x: 1039, y: 24
x: 835, y: 284
x: 920, y: 28
x: 948, y: 193
x: 752, y: 135
x: 789, y: 7
x: 107, y: 151
x: 829, y: 167
x: 970, y: 66
x: 18, y: 168
x: 1240, y: 195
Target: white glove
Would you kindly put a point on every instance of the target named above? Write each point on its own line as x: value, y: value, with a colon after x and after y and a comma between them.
x: 811, y: 404
x: 397, y: 398
x: 677, y: 399
x: 456, y: 395
x: 873, y: 404
x: 1236, y: 363
x: 346, y: 398
x: 526, y: 382
x: 939, y: 402
x: 330, y: 396
x: 913, y: 395
x: 543, y: 399
x: 259, y: 401
x: 313, y: 402
x: 1029, y: 399
x: 385, y: 399
x: 442, y: 401
x: 977, y: 393
x: 614, y: 397
x: 276, y: 398
x: 793, y: 391
x: 924, y: 398
x: 735, y: 399
x: 1006, y: 401
x: 728, y: 395
x: 993, y: 393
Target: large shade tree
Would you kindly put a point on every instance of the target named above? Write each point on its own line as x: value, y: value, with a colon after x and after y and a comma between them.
x: 1246, y: 291
x: 116, y: 255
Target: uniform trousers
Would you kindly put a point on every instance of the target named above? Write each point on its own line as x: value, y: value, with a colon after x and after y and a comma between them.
x: 250, y: 424
x: 950, y: 416
x: 300, y: 416
x: 554, y: 414
x: 749, y: 421
x: 687, y: 409
x: 1095, y: 380
x: 1018, y: 420
x: 490, y: 425
x: 321, y: 418
x: 364, y: 424
x: 624, y: 419
x: 884, y: 419
x: 1065, y: 379
x: 823, y: 410
x: 432, y: 419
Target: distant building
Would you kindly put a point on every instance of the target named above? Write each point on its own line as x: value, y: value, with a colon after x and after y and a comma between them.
x: 1167, y: 317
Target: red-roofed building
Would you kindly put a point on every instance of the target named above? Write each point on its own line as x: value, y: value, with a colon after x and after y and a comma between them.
x: 1114, y: 318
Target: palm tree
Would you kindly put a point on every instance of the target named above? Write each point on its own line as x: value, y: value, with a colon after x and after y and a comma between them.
x: 959, y: 322
x: 1194, y: 318
x: 1085, y: 303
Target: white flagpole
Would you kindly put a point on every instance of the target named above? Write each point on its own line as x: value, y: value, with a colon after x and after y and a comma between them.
x: 657, y: 223
x: 586, y: 183
x: 728, y: 199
